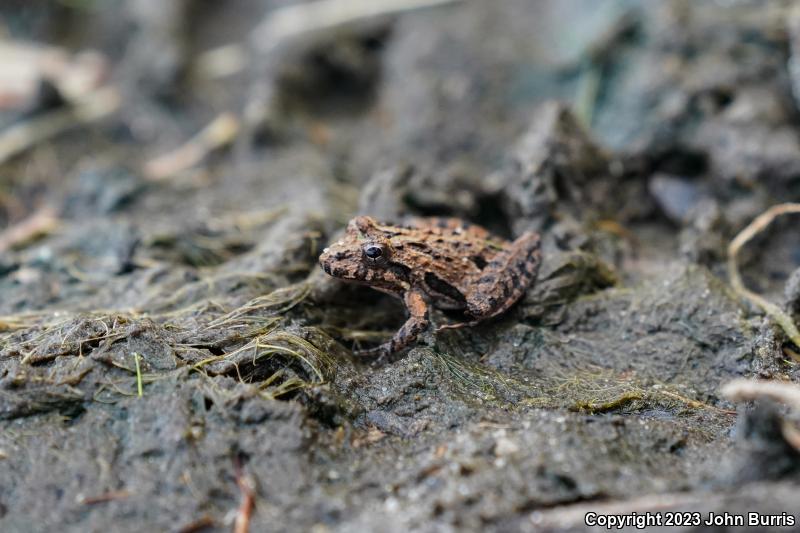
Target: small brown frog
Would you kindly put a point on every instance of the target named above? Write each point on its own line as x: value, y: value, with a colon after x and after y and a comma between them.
x: 445, y: 261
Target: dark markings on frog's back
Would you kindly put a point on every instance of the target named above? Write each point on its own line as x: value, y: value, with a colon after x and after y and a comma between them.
x: 442, y: 287
x: 479, y: 261
x: 401, y: 271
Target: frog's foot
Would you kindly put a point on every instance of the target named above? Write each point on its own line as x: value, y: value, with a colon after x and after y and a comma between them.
x: 417, y: 322
x: 381, y: 352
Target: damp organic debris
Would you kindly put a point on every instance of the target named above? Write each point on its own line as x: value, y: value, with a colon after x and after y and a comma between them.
x: 174, y: 358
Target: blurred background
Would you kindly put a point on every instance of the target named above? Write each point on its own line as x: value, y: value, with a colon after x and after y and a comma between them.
x: 156, y: 119
x: 170, y: 171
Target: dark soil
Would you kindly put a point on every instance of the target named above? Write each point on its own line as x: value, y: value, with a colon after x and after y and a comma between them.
x: 171, y: 345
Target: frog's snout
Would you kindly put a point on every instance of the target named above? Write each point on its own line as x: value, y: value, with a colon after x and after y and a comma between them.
x: 325, y: 260
x: 330, y: 259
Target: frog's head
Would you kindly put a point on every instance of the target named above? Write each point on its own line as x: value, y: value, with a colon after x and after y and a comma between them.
x: 364, y: 249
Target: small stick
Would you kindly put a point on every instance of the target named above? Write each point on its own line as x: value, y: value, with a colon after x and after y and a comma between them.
x: 201, y: 523
x: 39, y: 223
x: 220, y: 132
x: 740, y: 390
x: 245, y: 483
x: 139, y: 388
x: 106, y: 497
x: 757, y: 226
x: 89, y: 108
x: 791, y: 434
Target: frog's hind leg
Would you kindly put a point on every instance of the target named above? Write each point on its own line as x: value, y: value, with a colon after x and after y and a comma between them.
x: 417, y: 322
x: 503, y: 281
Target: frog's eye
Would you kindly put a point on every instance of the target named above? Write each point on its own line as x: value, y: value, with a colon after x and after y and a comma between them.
x: 375, y: 254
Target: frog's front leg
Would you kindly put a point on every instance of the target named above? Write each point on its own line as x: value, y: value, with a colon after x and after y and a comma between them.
x: 417, y: 322
x: 503, y: 281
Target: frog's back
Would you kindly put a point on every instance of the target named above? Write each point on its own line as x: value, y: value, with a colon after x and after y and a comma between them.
x: 444, y: 256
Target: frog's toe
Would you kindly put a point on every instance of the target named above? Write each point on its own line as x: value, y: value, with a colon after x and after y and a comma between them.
x: 457, y: 325
x: 381, y: 351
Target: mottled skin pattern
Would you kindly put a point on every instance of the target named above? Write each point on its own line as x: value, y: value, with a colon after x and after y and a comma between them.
x: 440, y: 261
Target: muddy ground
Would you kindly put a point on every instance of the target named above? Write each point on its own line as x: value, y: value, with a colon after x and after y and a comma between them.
x: 173, y: 359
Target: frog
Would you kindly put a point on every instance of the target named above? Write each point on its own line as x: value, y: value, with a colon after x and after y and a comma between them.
x: 440, y: 262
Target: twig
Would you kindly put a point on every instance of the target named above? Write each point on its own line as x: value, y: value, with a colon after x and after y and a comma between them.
x: 247, y: 488
x: 748, y: 389
x: 198, y: 525
x: 139, y: 388
x: 89, y: 108
x: 791, y: 434
x: 220, y: 132
x: 102, y: 498
x: 754, y: 228
x: 39, y: 223
x: 742, y: 390
x: 25, y: 65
